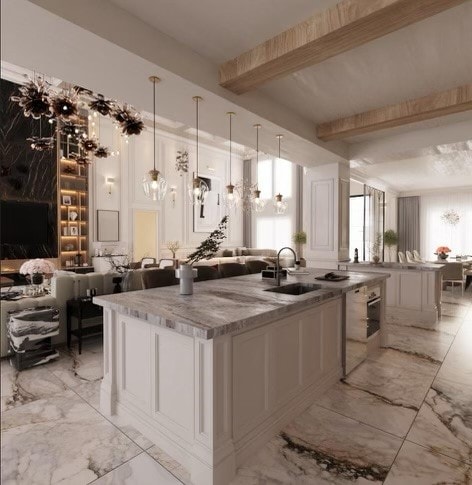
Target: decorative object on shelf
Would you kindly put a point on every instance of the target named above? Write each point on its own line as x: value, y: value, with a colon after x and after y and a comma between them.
x: 69, y: 170
x: 74, y: 231
x: 154, y: 185
x: 66, y: 200
x: 102, y: 152
x: 299, y: 238
x: 88, y: 144
x: 173, y: 247
x: 78, y: 259
x: 181, y: 162
x: 129, y: 119
x: 257, y: 203
x: 34, y: 98
x: 65, y: 105
x: 377, y: 248
x: 80, y: 158
x: 73, y: 215
x: 280, y: 206
x: 390, y: 239
x: 102, y: 105
x: 36, y: 269
x: 450, y: 217
x: 442, y: 252
x: 231, y: 198
x: 207, y: 248
x: 198, y: 189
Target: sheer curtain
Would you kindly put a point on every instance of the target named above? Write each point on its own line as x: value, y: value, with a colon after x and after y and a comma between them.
x: 436, y: 232
x: 374, y: 211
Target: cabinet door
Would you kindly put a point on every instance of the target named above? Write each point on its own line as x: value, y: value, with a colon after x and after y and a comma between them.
x: 331, y: 336
x: 409, y: 287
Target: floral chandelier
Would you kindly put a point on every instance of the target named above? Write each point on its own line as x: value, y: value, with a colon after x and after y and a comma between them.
x: 450, y: 217
x: 39, y: 99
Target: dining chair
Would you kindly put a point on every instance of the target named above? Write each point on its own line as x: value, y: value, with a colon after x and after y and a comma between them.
x: 166, y: 262
x: 453, y: 273
x: 417, y: 257
x: 401, y: 257
x: 145, y: 261
x: 409, y: 257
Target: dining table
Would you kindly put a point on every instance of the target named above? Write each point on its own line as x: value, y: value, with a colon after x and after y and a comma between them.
x: 466, y: 264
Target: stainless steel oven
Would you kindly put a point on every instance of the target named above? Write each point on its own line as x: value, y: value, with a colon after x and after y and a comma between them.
x: 374, y: 302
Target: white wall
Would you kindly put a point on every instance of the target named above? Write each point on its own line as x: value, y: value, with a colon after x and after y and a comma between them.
x: 128, y: 170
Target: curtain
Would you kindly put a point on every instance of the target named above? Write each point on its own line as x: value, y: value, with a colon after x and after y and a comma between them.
x: 374, y: 208
x: 437, y: 230
x: 408, y: 223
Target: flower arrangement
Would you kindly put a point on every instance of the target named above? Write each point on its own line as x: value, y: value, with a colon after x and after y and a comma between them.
x: 210, y: 245
x: 442, y: 249
x: 37, y: 266
x: 173, y: 247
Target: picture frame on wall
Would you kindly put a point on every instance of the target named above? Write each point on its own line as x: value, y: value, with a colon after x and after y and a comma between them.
x: 66, y: 200
x: 207, y: 216
x: 108, y: 225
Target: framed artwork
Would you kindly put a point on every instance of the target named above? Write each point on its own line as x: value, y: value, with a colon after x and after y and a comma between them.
x: 74, y: 231
x: 108, y: 225
x: 66, y: 200
x: 207, y: 216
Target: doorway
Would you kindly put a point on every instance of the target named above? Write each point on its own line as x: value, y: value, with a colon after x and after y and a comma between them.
x: 145, y: 234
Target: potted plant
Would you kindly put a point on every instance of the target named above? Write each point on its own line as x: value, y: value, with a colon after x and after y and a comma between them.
x: 299, y: 239
x: 377, y: 248
x: 207, y: 249
x: 390, y: 239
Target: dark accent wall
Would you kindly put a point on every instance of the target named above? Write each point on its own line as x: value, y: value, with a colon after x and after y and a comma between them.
x: 26, y: 174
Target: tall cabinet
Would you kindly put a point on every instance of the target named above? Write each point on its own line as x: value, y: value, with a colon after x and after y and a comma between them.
x: 73, y: 194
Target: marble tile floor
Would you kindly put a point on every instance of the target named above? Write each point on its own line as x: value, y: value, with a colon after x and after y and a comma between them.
x: 402, y: 417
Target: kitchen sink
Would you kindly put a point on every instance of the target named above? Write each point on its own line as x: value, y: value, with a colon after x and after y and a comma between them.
x: 295, y: 288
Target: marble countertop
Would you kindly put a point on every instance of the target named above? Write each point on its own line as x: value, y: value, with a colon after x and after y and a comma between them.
x: 226, y: 305
x: 388, y: 266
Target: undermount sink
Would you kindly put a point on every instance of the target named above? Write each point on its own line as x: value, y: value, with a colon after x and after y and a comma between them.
x: 295, y: 288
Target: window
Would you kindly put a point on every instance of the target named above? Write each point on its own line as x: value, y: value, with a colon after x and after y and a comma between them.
x: 356, y: 225
x: 271, y: 230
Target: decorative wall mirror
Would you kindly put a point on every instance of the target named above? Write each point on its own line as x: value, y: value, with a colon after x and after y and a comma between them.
x: 108, y: 225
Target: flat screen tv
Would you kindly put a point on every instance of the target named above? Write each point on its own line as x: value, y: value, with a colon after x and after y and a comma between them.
x: 25, y: 223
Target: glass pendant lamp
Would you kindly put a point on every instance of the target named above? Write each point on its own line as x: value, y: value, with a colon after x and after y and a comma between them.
x: 257, y: 204
x: 280, y: 206
x: 197, y: 189
x: 231, y: 198
x: 154, y: 184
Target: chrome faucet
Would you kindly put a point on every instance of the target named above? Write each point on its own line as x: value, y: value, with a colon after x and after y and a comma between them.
x: 278, y: 262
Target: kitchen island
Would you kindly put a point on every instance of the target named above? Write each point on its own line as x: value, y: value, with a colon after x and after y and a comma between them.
x: 413, y: 290
x: 211, y: 377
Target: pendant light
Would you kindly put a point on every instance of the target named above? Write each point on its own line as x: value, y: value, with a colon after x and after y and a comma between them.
x: 154, y: 184
x: 197, y: 189
x: 231, y: 197
x: 257, y: 204
x: 280, y: 205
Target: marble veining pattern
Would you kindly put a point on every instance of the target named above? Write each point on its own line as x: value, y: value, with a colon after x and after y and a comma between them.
x: 52, y: 431
x: 226, y: 305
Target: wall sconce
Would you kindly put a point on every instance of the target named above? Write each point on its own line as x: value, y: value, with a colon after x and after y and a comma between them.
x: 109, y: 181
x: 173, y: 195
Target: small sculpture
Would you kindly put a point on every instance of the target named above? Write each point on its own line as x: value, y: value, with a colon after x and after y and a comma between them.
x: 356, y: 255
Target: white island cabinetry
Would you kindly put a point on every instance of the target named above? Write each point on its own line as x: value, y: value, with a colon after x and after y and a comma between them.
x: 225, y: 378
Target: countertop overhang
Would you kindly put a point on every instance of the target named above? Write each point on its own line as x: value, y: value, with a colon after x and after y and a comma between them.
x: 389, y: 266
x: 227, y: 305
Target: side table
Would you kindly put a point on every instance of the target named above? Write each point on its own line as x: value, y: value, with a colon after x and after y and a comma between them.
x: 82, y: 309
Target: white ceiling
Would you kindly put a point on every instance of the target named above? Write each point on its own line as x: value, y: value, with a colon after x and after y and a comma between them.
x: 190, y: 39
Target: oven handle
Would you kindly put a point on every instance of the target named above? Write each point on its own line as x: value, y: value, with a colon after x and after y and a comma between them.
x: 375, y: 300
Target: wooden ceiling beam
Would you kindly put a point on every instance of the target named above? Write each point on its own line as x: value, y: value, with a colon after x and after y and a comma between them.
x: 348, y: 24
x: 428, y: 107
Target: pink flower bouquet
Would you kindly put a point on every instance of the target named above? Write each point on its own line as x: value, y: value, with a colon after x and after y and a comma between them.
x: 37, y: 266
x: 443, y: 249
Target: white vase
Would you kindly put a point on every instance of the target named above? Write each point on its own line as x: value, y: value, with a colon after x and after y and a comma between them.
x: 186, y: 274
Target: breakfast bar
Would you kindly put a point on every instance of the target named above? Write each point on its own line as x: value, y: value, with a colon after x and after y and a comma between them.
x: 211, y: 377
